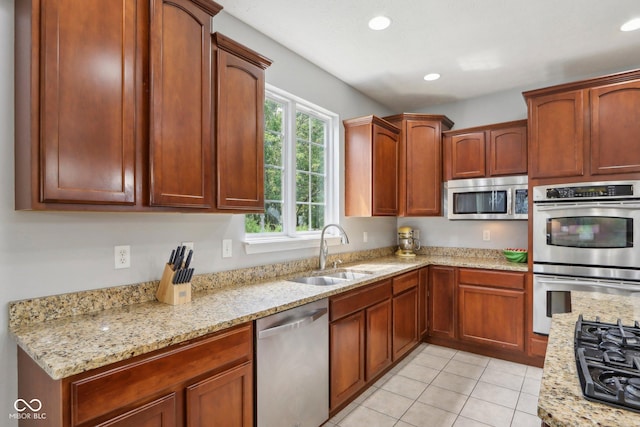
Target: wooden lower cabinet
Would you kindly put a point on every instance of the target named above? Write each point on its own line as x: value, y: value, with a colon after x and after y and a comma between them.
x: 442, y: 302
x: 405, y: 313
x: 159, y: 413
x: 378, y: 346
x: 491, y: 309
x: 423, y: 292
x: 347, y: 356
x: 207, y: 381
x: 360, y: 343
x: 225, y: 399
x: 491, y: 316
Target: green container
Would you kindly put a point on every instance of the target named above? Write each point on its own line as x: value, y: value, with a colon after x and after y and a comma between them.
x: 515, y: 255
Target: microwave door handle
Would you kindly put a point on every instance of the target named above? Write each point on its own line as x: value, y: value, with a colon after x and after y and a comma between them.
x: 631, y: 206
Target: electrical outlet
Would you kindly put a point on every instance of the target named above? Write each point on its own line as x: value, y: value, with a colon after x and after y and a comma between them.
x: 226, y: 248
x: 188, y: 246
x: 122, y: 256
x: 365, y: 237
x: 486, y: 235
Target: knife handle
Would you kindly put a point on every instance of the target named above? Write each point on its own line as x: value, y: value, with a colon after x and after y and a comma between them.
x: 188, y: 261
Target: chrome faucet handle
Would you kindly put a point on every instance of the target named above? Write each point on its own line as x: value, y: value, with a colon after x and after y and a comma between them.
x: 336, y: 263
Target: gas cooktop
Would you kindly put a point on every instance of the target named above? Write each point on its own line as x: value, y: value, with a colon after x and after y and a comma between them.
x: 608, y: 362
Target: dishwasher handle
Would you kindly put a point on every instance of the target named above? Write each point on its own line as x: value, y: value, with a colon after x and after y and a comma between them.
x: 297, y: 323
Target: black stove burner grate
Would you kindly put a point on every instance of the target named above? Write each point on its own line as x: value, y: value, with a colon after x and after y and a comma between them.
x: 608, y: 362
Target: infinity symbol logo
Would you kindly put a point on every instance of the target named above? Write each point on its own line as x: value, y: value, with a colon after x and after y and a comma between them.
x: 37, y: 405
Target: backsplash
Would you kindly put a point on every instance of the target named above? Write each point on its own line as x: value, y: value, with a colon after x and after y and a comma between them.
x: 53, y: 307
x: 35, y: 310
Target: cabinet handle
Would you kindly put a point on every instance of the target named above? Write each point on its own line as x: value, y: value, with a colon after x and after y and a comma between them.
x: 296, y: 323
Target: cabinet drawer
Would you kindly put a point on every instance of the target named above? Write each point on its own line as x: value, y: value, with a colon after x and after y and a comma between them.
x: 126, y: 383
x: 351, y: 302
x: 496, y: 279
x: 404, y: 282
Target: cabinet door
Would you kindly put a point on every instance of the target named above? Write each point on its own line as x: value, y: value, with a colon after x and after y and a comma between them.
x: 181, y: 105
x: 615, y: 126
x: 557, y: 132
x: 423, y: 292
x: 442, y: 299
x: 508, y: 151
x: 492, y: 316
x: 88, y: 110
x: 405, y: 322
x: 225, y: 399
x: 423, y: 166
x: 385, y: 172
x: 239, y: 128
x: 347, y: 357
x: 159, y: 413
x: 378, y: 338
x: 468, y: 155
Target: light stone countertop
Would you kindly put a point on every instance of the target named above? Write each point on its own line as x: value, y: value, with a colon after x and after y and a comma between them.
x: 77, y: 343
x: 561, y: 402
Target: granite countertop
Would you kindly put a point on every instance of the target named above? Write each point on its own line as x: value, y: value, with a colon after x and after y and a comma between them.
x: 77, y: 343
x: 561, y: 402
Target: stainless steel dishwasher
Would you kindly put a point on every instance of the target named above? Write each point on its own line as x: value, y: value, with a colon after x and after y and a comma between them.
x: 292, y: 372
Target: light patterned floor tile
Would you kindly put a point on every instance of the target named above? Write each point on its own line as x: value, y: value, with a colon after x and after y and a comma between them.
x: 486, y: 412
x: 421, y: 415
x: 363, y: 416
x: 503, y: 379
x: 464, y: 369
x: 388, y: 403
x: 496, y: 394
x: 443, y: 399
x: 454, y: 383
x: 405, y: 387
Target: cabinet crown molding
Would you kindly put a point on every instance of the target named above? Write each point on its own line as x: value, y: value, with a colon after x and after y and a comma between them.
x: 225, y: 43
x: 584, y: 84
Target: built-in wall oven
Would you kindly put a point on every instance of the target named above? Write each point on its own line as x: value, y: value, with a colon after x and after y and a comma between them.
x: 586, y: 236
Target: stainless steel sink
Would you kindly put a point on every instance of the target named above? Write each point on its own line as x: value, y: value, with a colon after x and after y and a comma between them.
x: 348, y: 274
x: 319, y: 280
x: 331, y: 277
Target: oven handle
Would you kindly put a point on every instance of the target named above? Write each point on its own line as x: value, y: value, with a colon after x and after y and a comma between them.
x: 631, y: 206
x: 592, y: 286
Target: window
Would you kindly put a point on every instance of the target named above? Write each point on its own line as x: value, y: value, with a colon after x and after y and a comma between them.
x: 300, y: 164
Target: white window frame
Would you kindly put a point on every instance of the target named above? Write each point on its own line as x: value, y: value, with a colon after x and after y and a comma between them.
x: 290, y: 238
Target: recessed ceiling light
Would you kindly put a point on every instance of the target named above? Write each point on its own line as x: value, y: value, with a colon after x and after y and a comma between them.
x: 379, y: 23
x: 432, y: 76
x: 631, y: 25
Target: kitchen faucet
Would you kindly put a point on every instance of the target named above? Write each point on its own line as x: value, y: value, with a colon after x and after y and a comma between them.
x: 324, y: 248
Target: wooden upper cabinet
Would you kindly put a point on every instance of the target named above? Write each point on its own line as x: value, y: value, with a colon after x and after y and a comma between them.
x: 181, y: 104
x: 371, y: 167
x: 508, y: 151
x: 557, y: 132
x: 486, y: 151
x: 76, y: 109
x: 420, y: 163
x: 468, y: 155
x: 615, y: 128
x: 239, y: 89
x: 586, y: 130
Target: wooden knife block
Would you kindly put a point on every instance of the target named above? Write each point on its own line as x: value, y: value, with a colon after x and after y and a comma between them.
x: 169, y: 293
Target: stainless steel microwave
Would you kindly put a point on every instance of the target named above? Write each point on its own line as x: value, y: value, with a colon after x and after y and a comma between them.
x: 503, y: 198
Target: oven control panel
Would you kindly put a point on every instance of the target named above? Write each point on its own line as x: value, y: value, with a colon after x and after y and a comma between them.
x: 600, y: 190
x: 589, y: 191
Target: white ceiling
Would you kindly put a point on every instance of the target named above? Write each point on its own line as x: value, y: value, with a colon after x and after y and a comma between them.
x: 478, y: 46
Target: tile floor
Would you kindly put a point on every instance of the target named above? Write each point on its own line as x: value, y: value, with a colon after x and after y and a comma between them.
x: 441, y: 387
